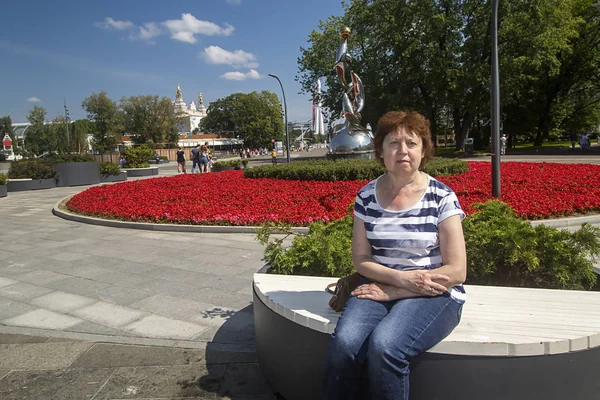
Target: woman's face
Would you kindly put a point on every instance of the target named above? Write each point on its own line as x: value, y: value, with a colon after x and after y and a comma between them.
x: 402, y: 152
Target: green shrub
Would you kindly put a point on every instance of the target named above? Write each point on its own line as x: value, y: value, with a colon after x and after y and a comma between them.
x: 137, y: 156
x: 31, y: 169
x: 3, y: 179
x: 324, y: 251
x: 507, y: 251
x: 163, y: 158
x: 227, y: 164
x: 502, y: 250
x: 67, y: 158
x: 346, y: 169
x: 107, y: 168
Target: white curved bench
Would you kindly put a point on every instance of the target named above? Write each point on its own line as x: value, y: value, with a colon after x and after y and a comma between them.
x: 498, y: 323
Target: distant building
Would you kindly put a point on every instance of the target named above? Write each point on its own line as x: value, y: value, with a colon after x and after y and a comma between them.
x: 192, y: 114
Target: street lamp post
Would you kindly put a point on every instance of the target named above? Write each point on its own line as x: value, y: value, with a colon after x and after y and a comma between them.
x: 67, y: 126
x: 495, y: 104
x: 287, y: 134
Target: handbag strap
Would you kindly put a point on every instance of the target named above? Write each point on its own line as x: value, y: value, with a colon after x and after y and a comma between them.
x: 331, y: 285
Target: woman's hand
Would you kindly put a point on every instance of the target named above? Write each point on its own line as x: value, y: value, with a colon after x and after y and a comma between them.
x: 424, y: 282
x: 376, y: 292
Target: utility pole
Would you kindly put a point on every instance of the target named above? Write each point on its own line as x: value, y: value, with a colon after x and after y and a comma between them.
x: 287, y: 133
x: 67, y: 126
x: 495, y: 104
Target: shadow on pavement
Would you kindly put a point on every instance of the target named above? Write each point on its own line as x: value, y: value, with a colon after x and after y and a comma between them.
x: 232, y: 370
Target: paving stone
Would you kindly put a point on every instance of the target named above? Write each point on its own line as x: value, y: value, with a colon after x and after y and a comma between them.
x: 61, y: 301
x: 91, y: 327
x: 36, y: 356
x: 244, y: 380
x: 3, y: 373
x: 7, y: 282
x: 11, y: 308
x: 108, y: 314
x: 118, y: 355
x: 9, y: 338
x: 121, y: 278
x: 121, y: 295
x: 23, y: 291
x: 60, y: 385
x: 80, y: 286
x: 40, y: 277
x: 223, y: 298
x: 214, y: 355
x: 42, y: 319
x: 173, y: 307
x: 155, y: 326
x: 163, y: 382
x: 66, y: 256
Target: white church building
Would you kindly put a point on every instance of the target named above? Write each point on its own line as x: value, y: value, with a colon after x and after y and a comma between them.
x: 191, y: 113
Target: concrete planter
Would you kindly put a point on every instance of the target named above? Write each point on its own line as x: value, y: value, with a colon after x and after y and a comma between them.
x: 78, y: 173
x: 19, y: 185
x: 134, y: 172
x: 3, y: 190
x: 114, y: 178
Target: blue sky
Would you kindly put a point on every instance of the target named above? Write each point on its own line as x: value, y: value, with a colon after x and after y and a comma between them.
x: 70, y: 49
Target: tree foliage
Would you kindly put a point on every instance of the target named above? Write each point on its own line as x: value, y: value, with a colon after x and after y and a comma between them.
x: 150, y: 118
x: 37, y: 139
x: 106, y: 119
x: 435, y: 57
x: 255, y: 117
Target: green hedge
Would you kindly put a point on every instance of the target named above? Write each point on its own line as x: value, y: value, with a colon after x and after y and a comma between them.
x: 66, y: 158
x: 3, y: 179
x: 31, y: 169
x: 502, y: 250
x: 231, y: 163
x: 107, y: 168
x: 348, y: 169
x: 137, y: 156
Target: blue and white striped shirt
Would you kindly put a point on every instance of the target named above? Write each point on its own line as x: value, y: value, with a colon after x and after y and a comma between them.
x: 408, y: 239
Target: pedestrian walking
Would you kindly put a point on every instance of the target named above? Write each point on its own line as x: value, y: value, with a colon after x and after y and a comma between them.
x: 196, y: 158
x: 180, y: 160
x: 503, y: 144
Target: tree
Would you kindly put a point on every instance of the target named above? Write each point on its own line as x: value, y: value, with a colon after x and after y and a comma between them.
x: 6, y: 127
x: 78, y: 131
x: 148, y: 118
x: 435, y: 56
x: 256, y: 117
x: 106, y: 119
x: 36, y: 138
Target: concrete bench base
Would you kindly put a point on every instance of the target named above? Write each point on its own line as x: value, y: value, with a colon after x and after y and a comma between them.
x: 3, y: 190
x: 291, y: 353
x: 114, y: 178
x: 19, y: 185
x: 134, y: 172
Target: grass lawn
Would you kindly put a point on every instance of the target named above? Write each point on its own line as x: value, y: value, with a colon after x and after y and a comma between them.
x: 520, y: 147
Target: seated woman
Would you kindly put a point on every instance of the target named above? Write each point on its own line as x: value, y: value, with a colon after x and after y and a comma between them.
x: 408, y: 244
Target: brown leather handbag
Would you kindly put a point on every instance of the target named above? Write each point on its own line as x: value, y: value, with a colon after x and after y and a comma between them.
x: 343, y: 288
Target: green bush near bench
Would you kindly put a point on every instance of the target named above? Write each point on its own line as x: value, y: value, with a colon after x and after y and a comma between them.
x: 502, y: 250
x: 137, y: 156
x: 3, y: 179
x: 341, y: 170
x: 107, y: 168
x: 34, y: 169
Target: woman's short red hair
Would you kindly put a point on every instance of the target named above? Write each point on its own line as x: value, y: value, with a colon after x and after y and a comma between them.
x: 409, y: 120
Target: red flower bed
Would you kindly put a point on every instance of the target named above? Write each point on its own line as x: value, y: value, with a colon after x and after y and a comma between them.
x: 533, y: 190
x: 225, y: 198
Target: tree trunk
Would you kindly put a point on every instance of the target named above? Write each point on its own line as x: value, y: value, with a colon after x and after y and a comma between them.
x: 462, y: 125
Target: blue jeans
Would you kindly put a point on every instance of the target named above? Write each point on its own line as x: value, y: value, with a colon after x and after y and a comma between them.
x: 194, y: 163
x: 386, y: 336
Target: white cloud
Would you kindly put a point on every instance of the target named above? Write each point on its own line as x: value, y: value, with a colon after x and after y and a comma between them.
x: 111, y: 24
x: 237, y: 58
x: 240, y: 76
x: 33, y: 100
x: 185, y: 28
x: 146, y: 32
x: 236, y: 2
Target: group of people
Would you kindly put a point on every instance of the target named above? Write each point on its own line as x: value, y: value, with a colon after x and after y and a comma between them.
x: 201, y: 159
x: 584, y: 141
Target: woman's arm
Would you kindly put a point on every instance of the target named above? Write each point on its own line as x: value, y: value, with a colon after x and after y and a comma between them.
x: 454, y: 253
x: 408, y: 283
